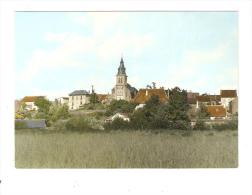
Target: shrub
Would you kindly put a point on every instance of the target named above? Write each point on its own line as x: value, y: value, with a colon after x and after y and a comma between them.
x: 20, y: 125
x: 78, y: 123
x: 232, y: 125
x: 200, y: 125
x: 117, y: 124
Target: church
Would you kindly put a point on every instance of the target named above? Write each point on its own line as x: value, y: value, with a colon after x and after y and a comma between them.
x: 123, y: 90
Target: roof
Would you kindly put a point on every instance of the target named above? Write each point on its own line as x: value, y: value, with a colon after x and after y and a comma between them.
x: 144, y: 95
x: 216, y: 111
x: 31, y: 98
x: 208, y: 98
x: 228, y: 93
x: 79, y: 92
x: 191, y: 97
x: 121, y: 69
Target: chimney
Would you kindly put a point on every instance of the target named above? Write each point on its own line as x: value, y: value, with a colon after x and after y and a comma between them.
x: 146, y: 92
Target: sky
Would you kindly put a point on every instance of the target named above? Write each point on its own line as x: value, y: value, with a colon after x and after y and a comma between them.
x: 59, y: 52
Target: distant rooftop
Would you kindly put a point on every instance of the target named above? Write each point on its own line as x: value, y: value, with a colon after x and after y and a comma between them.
x: 228, y: 93
x: 79, y: 92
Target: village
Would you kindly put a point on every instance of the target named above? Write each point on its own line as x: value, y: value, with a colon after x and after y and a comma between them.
x: 223, y: 106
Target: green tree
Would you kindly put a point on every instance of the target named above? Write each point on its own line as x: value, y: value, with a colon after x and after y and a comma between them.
x: 57, y: 112
x: 120, y: 106
x: 93, y: 98
x: 43, y: 105
x: 202, y: 112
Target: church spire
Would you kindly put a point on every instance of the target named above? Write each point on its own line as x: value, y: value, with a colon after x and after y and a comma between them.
x: 121, y: 69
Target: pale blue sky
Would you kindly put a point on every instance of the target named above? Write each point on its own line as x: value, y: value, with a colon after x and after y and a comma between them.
x: 59, y: 52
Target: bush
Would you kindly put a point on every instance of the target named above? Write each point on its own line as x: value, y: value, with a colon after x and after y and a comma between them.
x: 200, y: 125
x: 20, y: 125
x: 78, y: 123
x: 117, y: 124
x: 232, y: 125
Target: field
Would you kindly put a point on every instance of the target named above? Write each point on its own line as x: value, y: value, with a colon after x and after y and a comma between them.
x: 130, y: 149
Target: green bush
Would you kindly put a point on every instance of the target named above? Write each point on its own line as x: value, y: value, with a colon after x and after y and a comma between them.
x: 232, y: 125
x: 200, y: 125
x: 78, y: 123
x: 20, y: 125
x: 117, y: 124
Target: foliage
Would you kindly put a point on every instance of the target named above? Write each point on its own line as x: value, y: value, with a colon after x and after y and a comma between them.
x: 78, y: 123
x: 19, y: 116
x: 20, y: 124
x: 120, y: 106
x: 43, y: 105
x: 231, y: 125
x: 200, y: 125
x: 57, y: 112
x: 94, y: 98
x: 157, y: 115
x: 202, y: 112
x: 117, y: 124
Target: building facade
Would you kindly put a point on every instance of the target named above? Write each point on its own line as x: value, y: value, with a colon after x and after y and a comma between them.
x: 78, y: 98
x: 123, y: 90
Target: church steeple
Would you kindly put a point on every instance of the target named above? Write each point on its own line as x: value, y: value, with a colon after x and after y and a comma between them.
x: 121, y: 69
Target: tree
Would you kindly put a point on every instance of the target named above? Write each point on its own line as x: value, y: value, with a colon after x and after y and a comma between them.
x: 93, y: 98
x: 43, y: 105
x: 202, y: 112
x: 120, y: 106
x: 178, y: 105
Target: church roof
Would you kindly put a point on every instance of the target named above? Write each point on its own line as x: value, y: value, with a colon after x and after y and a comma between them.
x: 228, y: 93
x: 121, y: 69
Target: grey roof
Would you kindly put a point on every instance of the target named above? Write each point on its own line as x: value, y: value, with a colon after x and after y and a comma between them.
x: 79, y: 92
x: 121, y: 69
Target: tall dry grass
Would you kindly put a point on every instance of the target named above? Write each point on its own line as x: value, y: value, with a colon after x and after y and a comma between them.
x: 173, y: 149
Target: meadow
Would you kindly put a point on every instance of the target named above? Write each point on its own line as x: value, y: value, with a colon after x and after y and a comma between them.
x: 126, y: 149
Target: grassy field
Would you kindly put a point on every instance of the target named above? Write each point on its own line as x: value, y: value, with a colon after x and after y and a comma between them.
x: 173, y: 149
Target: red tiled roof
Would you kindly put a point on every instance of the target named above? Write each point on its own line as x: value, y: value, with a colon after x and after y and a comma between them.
x: 228, y: 93
x: 144, y: 95
x: 31, y: 98
x: 208, y: 98
x: 216, y: 111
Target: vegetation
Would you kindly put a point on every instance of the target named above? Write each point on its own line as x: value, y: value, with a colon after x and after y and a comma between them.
x: 124, y: 149
x: 20, y: 125
x: 156, y: 115
x: 120, y: 106
x: 202, y: 112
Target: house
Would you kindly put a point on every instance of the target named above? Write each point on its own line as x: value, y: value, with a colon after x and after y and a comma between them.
x: 123, y: 90
x: 217, y: 112
x: 144, y: 95
x: 78, y: 98
x: 117, y: 115
x: 207, y: 100
x: 226, y: 97
x: 62, y: 100
x: 192, y: 97
x: 30, y: 102
x: 233, y: 105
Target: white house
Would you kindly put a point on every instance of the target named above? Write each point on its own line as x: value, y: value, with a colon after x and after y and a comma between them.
x: 226, y: 97
x: 78, y: 98
x: 62, y: 100
x: 30, y: 102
